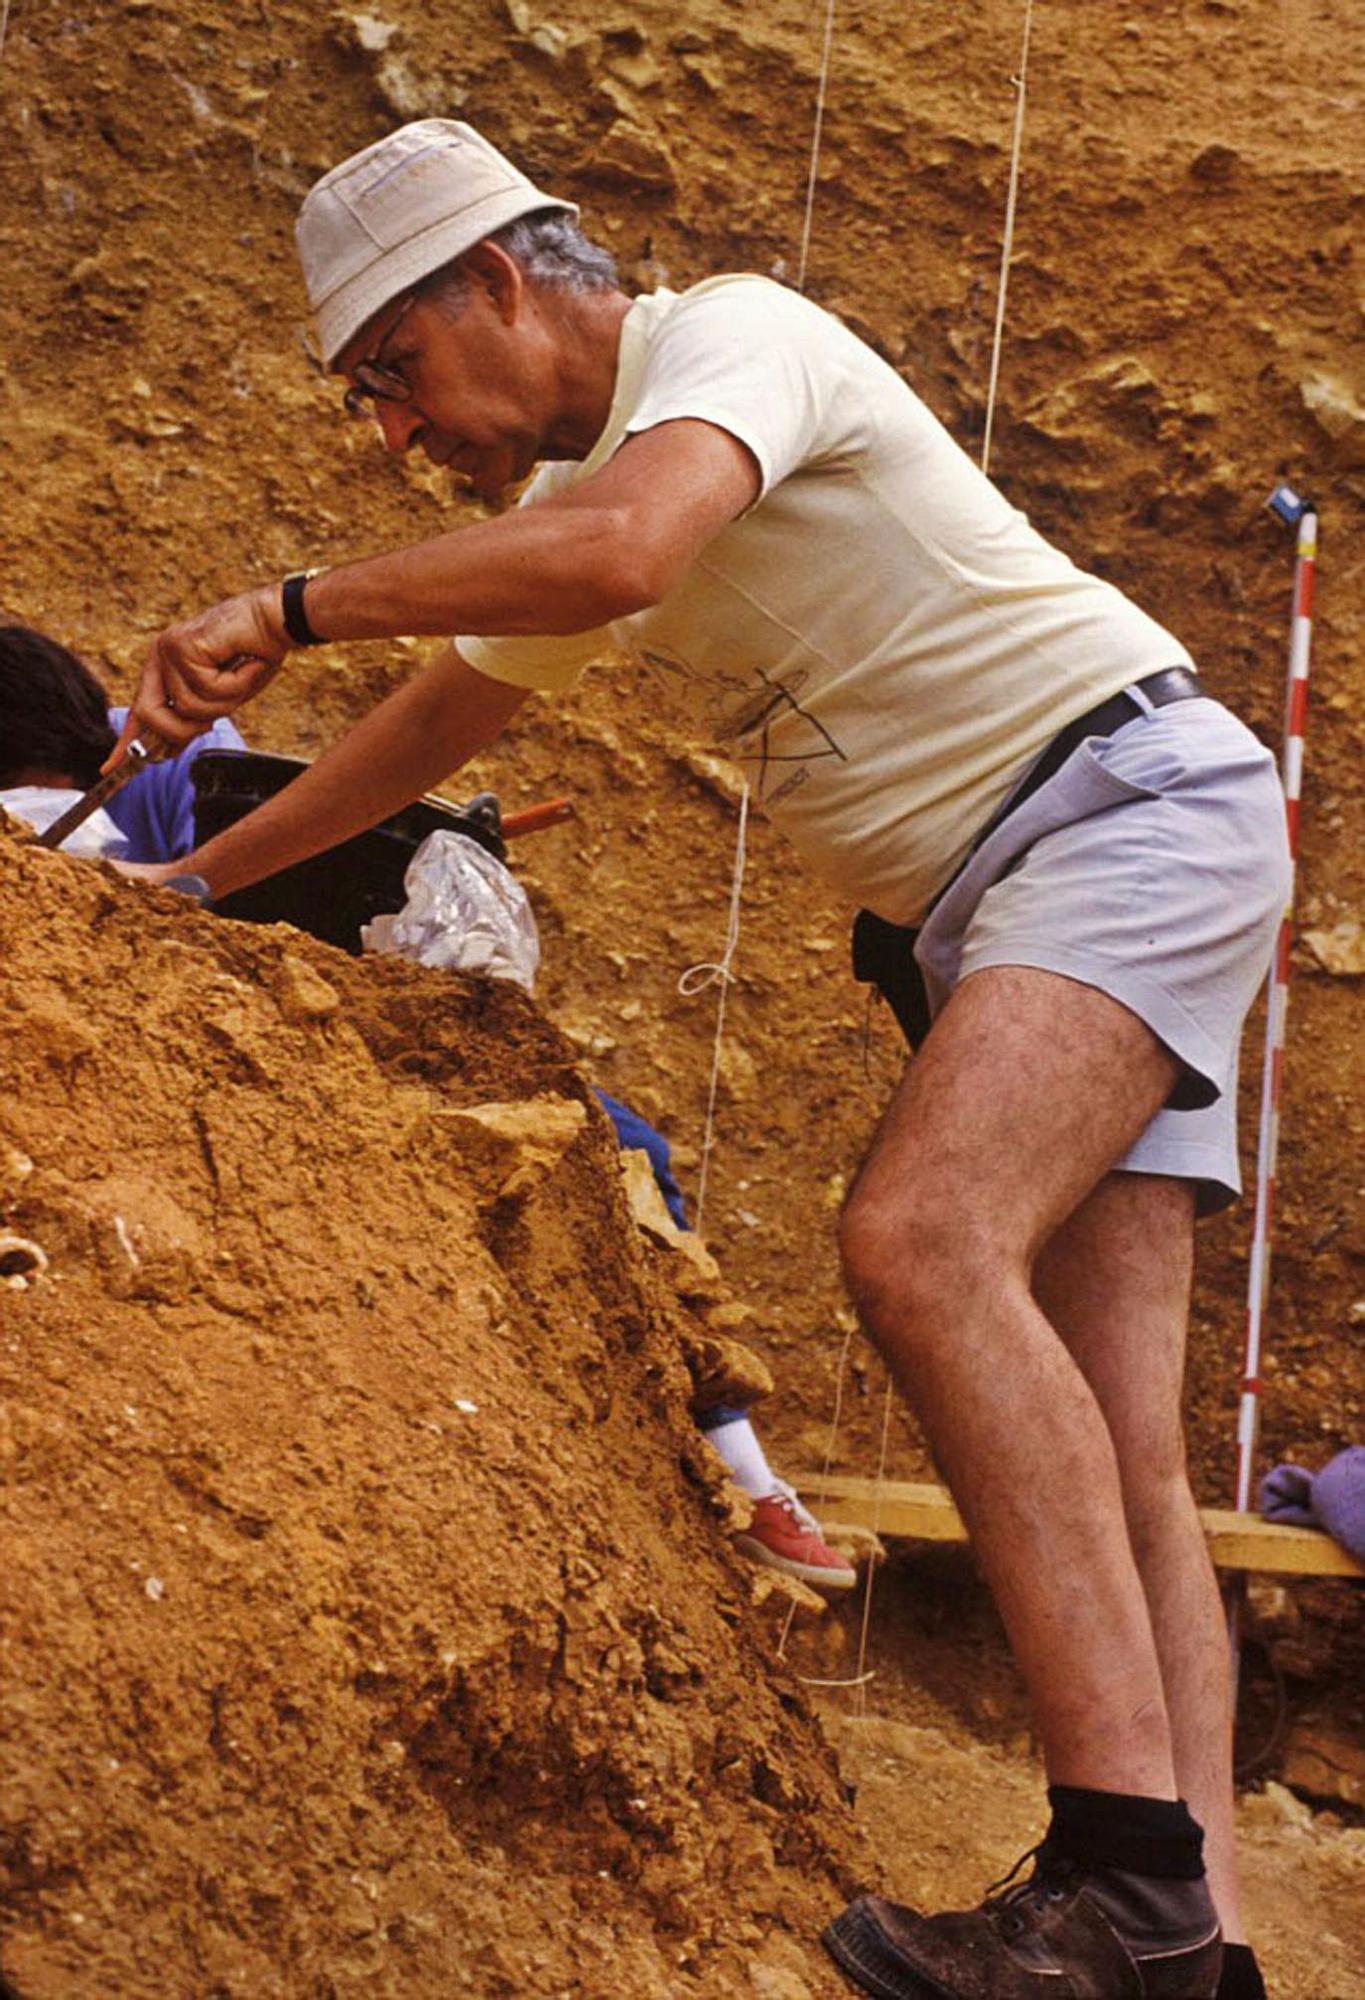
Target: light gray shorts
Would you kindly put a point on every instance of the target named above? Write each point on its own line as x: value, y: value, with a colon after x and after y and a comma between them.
x: 1154, y: 865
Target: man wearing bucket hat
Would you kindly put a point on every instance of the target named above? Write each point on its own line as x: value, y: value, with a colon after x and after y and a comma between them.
x: 962, y: 732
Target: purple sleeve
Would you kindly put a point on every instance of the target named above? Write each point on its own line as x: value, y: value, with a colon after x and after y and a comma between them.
x: 155, y: 810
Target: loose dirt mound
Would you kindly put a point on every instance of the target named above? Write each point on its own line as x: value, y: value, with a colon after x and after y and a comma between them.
x: 369, y: 1622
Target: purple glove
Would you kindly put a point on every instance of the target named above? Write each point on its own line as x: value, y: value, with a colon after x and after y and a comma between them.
x: 1287, y: 1497
x: 1334, y: 1499
x: 1339, y: 1499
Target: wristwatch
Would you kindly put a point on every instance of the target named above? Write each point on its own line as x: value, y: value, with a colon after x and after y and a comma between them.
x: 291, y: 604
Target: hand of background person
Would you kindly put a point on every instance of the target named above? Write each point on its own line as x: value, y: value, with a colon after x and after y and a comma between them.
x: 155, y: 872
x: 206, y: 667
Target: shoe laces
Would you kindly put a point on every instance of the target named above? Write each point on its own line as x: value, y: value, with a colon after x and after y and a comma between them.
x: 786, y: 1497
x: 1014, y: 1905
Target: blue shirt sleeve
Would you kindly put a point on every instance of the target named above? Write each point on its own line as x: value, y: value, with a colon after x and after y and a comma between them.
x: 155, y: 810
x: 634, y: 1134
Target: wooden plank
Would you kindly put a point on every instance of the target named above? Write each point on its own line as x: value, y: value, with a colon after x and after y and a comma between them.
x: 1245, y: 1541
x: 908, y: 1511
x: 904, y: 1512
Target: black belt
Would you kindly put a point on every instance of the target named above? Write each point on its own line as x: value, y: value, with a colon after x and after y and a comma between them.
x: 883, y: 953
x: 1106, y: 718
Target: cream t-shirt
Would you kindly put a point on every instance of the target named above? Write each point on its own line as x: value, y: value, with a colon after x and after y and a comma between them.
x: 881, y: 640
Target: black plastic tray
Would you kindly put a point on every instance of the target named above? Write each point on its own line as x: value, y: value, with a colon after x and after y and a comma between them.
x: 332, y: 895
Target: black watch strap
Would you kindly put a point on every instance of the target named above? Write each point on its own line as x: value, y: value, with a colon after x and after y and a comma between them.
x: 295, y: 617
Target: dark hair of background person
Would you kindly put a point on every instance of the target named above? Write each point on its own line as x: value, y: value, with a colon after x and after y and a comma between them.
x: 54, y: 715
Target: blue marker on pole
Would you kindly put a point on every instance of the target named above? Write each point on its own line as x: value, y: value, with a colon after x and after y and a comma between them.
x: 1285, y: 502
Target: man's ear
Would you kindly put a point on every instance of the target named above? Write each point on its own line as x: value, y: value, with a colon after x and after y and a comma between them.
x: 491, y: 271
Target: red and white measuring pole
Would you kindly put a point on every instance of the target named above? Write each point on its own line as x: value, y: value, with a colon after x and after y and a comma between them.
x: 1301, y: 515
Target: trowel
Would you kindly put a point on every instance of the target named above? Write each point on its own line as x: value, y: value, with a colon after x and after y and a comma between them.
x: 138, y: 755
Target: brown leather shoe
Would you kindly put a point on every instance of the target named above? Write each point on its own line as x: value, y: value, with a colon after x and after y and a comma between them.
x: 1065, y: 1934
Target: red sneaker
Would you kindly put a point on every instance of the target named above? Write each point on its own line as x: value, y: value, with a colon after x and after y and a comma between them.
x: 784, y: 1536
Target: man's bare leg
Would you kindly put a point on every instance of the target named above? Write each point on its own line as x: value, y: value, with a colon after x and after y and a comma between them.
x: 1028, y: 1089
x: 1115, y: 1282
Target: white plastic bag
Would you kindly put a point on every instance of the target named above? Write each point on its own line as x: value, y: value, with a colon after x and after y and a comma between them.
x: 465, y: 911
x: 39, y: 805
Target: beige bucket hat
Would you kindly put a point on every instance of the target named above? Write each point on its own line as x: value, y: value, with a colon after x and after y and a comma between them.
x: 392, y: 214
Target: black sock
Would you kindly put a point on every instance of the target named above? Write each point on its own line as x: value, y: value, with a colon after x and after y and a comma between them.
x: 1124, y: 1830
x: 1241, y: 1978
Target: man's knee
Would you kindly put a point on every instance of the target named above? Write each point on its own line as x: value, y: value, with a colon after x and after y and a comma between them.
x: 905, y: 1260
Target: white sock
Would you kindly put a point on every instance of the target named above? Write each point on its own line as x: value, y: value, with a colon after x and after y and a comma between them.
x: 738, y: 1445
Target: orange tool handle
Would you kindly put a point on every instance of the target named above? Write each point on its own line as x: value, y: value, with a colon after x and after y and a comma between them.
x: 532, y: 818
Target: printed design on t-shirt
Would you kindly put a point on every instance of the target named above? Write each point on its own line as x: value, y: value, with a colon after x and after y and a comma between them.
x: 739, y: 706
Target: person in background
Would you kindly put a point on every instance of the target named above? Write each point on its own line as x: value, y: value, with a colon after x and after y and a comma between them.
x: 56, y: 729
x: 783, y: 1534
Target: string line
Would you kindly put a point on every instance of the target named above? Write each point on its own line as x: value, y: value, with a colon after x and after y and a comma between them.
x: 831, y: 1438
x: 698, y: 977
x: 1011, y: 202
x: 816, y: 137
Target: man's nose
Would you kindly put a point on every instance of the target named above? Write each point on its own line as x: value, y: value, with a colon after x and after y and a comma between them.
x: 398, y: 424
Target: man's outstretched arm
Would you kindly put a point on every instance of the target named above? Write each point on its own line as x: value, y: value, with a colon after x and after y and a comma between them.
x: 612, y: 545
x: 427, y: 729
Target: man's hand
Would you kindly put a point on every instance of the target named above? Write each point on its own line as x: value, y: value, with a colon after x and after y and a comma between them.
x: 206, y: 667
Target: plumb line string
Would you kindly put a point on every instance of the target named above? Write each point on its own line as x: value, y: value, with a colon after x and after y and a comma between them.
x: 1007, y: 248
x: 721, y: 973
x: 815, y: 143
x: 699, y: 976
x: 861, y: 1675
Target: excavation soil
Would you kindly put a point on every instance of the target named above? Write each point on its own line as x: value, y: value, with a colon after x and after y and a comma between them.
x: 370, y: 1620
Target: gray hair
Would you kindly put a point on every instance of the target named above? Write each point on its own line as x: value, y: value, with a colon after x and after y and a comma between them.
x: 550, y: 248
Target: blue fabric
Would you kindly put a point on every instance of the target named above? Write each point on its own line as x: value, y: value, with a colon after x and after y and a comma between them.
x: 1287, y: 1497
x: 1333, y: 1499
x: 717, y: 1419
x: 1339, y: 1499
x: 634, y: 1135
x: 155, y: 810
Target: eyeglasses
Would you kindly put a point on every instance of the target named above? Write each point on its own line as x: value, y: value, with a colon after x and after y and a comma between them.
x: 372, y: 381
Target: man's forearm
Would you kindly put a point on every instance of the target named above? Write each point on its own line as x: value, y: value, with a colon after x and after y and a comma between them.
x: 541, y: 569
x: 610, y: 546
x: 430, y: 727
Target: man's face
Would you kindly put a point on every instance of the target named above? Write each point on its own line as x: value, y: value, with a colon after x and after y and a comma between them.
x: 477, y: 383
